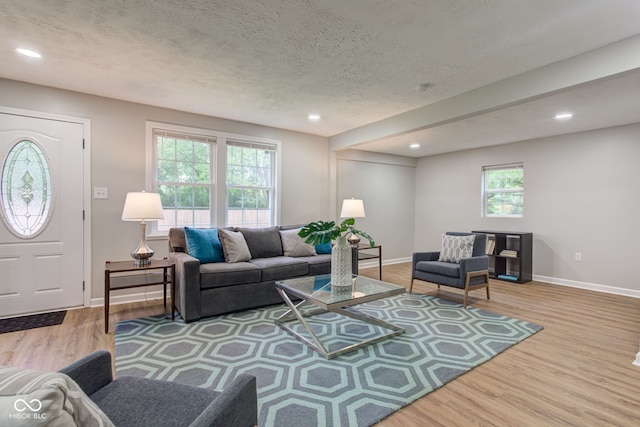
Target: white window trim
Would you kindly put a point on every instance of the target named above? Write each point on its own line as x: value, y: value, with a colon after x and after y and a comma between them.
x: 219, y: 197
x: 484, y: 193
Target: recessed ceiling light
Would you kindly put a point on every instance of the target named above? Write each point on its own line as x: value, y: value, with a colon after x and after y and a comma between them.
x: 561, y: 116
x: 28, y: 52
x: 314, y: 117
x: 414, y: 145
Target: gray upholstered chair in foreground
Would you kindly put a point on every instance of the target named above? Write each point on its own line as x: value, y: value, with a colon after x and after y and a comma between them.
x: 465, y: 265
x: 134, y: 401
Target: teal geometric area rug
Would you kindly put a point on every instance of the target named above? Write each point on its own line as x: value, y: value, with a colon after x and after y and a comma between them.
x: 297, y: 386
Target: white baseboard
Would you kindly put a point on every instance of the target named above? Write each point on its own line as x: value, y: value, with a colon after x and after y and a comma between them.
x: 553, y: 280
x: 157, y: 294
x: 137, y: 297
x: 589, y: 286
x: 374, y: 263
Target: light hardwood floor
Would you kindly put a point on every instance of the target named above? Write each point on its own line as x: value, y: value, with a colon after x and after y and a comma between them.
x: 576, y: 372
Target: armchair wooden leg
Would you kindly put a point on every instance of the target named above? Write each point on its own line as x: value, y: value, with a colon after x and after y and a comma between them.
x: 411, y: 286
x: 467, y: 288
x: 487, y: 279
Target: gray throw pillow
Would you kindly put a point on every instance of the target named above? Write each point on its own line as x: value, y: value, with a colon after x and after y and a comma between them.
x: 294, y: 245
x: 234, y: 246
x: 263, y: 242
x: 455, y: 248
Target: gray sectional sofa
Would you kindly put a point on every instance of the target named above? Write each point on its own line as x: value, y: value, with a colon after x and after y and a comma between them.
x: 206, y: 289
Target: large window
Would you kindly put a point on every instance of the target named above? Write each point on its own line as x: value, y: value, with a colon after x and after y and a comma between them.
x: 184, y: 176
x: 503, y: 190
x: 250, y: 184
x: 186, y: 166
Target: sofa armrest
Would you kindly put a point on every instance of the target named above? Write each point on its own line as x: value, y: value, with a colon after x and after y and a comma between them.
x: 237, y: 406
x: 91, y: 372
x: 188, y: 299
x: 473, y: 264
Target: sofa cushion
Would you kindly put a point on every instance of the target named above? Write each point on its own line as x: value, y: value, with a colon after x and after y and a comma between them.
x: 204, y: 244
x: 214, y: 275
x: 164, y: 403
x: 294, y: 246
x: 234, y: 246
x: 263, y: 242
x: 51, y: 396
x: 277, y: 268
x: 318, y: 264
x: 455, y: 248
x: 438, y: 267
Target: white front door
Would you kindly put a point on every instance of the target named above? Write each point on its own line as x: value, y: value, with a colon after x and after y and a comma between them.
x: 41, y: 214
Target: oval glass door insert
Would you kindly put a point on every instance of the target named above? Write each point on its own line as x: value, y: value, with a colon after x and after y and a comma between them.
x: 26, y: 193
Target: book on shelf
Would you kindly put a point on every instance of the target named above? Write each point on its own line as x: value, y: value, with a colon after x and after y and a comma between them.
x: 508, y: 277
x: 510, y: 253
x: 491, y: 246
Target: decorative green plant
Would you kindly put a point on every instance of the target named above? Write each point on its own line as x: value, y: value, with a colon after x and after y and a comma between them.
x: 320, y: 232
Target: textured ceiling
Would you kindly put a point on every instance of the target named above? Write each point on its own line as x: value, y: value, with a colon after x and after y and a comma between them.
x: 272, y: 62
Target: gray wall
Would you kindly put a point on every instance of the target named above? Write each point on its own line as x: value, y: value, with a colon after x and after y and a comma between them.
x: 581, y: 195
x: 386, y: 185
x: 118, y: 162
x: 581, y: 190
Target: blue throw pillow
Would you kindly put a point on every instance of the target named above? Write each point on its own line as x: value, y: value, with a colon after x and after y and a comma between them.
x: 324, y: 248
x: 204, y: 244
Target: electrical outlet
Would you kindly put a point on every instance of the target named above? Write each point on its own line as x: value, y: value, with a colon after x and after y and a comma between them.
x: 100, y: 193
x: 578, y: 256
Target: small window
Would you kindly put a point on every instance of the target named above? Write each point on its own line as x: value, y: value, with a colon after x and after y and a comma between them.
x: 503, y: 190
x: 250, y: 184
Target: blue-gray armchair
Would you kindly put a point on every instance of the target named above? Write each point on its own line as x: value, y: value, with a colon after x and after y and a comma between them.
x: 462, y: 263
x: 135, y: 401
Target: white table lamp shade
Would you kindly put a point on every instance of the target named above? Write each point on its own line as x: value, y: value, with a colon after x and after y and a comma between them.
x: 142, y: 206
x: 352, y: 208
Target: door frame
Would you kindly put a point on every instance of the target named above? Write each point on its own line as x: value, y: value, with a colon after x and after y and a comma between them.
x: 86, y: 185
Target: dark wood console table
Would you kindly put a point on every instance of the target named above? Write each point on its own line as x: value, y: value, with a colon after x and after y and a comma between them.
x: 126, y: 275
x: 364, y: 252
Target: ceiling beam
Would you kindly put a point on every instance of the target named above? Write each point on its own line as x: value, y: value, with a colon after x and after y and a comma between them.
x: 597, y: 64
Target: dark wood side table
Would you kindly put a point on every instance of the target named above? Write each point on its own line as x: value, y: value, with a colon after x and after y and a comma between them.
x: 366, y: 252
x: 128, y: 276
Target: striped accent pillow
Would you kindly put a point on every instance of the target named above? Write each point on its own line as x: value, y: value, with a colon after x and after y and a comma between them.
x: 294, y: 245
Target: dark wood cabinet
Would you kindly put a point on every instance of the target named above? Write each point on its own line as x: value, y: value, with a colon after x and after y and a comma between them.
x: 510, y: 255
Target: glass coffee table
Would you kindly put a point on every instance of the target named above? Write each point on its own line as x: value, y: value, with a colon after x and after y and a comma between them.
x: 315, y: 292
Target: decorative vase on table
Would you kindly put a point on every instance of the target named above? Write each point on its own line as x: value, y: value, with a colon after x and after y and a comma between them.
x: 341, y: 278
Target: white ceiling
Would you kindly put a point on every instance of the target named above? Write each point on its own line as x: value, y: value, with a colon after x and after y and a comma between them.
x: 357, y: 63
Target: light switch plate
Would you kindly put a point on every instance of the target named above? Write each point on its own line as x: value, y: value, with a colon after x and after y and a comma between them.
x: 100, y: 193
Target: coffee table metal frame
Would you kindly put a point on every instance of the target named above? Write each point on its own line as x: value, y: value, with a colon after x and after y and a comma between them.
x: 342, y: 304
